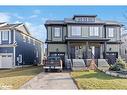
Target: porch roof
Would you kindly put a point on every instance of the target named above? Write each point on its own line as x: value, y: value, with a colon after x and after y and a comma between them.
x: 87, y: 39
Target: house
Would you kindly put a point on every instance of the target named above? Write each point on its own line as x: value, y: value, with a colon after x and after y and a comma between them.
x: 84, y: 37
x: 124, y: 46
x: 18, y: 47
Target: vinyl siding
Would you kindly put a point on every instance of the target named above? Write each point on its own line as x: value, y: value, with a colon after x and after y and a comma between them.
x: 28, y: 51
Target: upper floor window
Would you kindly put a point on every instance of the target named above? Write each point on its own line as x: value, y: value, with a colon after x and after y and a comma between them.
x: 57, y: 31
x: 28, y: 39
x: 24, y: 38
x: 5, y: 35
x: 76, y: 31
x: 94, y: 31
x: 33, y: 42
x: 110, y: 32
x: 85, y: 19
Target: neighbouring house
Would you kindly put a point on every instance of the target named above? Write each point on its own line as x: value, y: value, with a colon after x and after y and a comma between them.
x: 84, y: 37
x: 18, y: 47
x: 124, y: 46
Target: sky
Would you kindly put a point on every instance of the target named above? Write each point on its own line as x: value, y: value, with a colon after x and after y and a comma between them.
x: 34, y: 17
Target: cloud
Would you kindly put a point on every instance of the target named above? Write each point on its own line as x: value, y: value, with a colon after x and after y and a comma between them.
x: 33, y: 16
x: 5, y: 17
x: 18, y: 16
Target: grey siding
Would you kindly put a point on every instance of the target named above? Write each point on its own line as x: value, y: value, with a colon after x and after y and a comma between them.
x: 49, y: 33
x: 117, y: 33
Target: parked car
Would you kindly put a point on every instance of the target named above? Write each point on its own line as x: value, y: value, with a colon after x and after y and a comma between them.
x: 53, y: 63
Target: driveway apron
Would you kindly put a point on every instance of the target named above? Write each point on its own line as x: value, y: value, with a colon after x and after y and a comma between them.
x: 50, y: 81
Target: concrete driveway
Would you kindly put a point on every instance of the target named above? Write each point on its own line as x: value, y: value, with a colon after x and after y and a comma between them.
x: 53, y: 80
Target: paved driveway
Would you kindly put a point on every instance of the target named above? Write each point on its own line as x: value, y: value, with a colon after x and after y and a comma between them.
x: 56, y: 81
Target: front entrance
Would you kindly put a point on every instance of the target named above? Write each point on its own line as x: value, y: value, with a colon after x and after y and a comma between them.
x: 79, y: 52
x: 60, y: 54
x: 6, y: 60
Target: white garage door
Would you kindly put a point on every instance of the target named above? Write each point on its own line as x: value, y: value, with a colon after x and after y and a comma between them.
x: 6, y: 61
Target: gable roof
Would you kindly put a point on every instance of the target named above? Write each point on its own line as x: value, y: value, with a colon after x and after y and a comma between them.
x: 20, y: 27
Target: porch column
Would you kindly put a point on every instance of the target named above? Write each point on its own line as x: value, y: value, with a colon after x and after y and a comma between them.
x: 87, y: 46
x: 105, y: 46
x: 68, y: 49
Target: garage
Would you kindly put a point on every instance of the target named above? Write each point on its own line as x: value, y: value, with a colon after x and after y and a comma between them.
x: 6, y: 60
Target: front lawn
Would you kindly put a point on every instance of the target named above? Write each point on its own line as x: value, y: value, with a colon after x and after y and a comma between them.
x: 13, y: 79
x: 97, y: 80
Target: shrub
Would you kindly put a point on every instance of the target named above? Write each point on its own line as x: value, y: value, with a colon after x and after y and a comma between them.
x: 120, y: 64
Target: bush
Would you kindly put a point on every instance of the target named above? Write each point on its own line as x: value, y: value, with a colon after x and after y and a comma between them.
x: 120, y: 64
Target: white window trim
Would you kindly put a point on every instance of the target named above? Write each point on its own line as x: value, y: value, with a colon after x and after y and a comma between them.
x: 5, y: 35
x: 94, y: 31
x: 76, y: 32
x: 57, y: 32
x: 110, y: 32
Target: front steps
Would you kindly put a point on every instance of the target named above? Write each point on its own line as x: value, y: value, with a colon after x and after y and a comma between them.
x: 103, y: 64
x: 78, y: 64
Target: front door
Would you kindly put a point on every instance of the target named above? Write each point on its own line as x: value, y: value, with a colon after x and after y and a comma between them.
x: 95, y: 52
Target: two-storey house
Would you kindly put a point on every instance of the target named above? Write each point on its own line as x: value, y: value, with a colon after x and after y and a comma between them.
x: 83, y: 37
x: 18, y: 47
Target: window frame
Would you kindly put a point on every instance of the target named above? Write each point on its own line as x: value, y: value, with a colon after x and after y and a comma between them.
x: 74, y: 34
x: 110, y: 33
x: 5, y: 35
x: 94, y: 31
x: 56, y: 28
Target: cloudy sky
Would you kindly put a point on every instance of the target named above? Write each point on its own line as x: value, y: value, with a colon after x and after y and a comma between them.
x: 35, y: 16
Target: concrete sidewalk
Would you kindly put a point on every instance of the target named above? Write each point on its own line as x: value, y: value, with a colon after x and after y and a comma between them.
x: 50, y: 81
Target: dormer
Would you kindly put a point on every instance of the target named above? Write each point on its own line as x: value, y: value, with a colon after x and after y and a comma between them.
x: 84, y: 18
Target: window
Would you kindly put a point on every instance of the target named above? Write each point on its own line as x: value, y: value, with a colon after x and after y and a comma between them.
x: 33, y: 42
x: 5, y: 35
x: 24, y: 38
x: 28, y: 39
x: 125, y: 51
x: 110, y: 32
x: 76, y: 31
x: 57, y: 32
x: 94, y: 31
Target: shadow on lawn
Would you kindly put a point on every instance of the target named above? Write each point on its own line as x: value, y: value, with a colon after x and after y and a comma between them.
x: 97, y: 75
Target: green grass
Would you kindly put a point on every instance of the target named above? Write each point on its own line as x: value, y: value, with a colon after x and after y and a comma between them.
x: 13, y: 79
x: 97, y: 80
